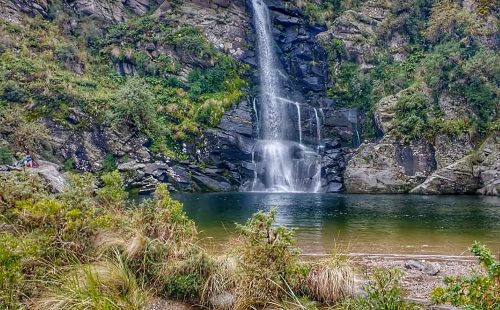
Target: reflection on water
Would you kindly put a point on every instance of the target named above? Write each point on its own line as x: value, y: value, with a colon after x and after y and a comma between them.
x: 367, y: 223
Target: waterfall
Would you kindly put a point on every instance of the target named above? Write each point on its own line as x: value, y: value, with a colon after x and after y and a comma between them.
x: 318, y: 126
x: 256, y: 118
x: 280, y: 162
x: 299, y: 121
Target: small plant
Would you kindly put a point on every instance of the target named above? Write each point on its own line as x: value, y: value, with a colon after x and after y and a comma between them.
x: 383, y: 292
x: 184, y: 279
x: 476, y: 291
x: 112, y: 194
x: 6, y: 156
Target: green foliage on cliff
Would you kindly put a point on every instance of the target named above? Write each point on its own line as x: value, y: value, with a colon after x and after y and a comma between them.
x: 47, y: 71
x: 447, y: 59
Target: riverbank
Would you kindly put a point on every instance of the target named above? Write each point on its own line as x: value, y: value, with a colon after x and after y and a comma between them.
x: 417, y: 284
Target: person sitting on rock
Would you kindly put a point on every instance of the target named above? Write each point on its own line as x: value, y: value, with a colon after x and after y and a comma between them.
x: 27, y: 161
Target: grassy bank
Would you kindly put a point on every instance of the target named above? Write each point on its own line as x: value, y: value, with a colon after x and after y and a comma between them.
x: 90, y: 247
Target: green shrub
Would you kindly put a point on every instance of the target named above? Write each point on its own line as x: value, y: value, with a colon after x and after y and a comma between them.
x: 351, y: 86
x: 268, y: 262
x: 109, y: 163
x: 11, y: 275
x: 19, y: 186
x: 6, y: 156
x: 412, y: 114
x: 384, y: 292
x: 112, y: 194
x: 476, y: 291
x: 185, y: 278
x: 135, y: 103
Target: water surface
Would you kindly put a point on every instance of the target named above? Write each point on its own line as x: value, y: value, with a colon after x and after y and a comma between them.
x: 363, y: 223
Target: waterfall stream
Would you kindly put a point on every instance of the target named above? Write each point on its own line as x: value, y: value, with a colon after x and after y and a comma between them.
x: 281, y: 161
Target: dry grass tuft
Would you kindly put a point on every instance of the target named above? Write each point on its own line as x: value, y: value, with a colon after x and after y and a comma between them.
x: 328, y: 282
x: 106, y: 285
x: 133, y: 246
x: 218, y: 290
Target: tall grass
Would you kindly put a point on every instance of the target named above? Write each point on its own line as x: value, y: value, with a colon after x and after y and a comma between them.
x: 109, y: 284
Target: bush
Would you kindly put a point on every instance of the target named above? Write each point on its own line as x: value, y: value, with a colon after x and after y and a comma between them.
x: 184, y: 279
x: 412, y: 114
x: 477, y: 291
x: 6, y: 156
x: 384, y: 292
x: 112, y: 194
x: 268, y: 263
x: 135, y: 103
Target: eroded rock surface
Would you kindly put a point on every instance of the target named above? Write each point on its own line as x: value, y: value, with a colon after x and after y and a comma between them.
x: 478, y: 172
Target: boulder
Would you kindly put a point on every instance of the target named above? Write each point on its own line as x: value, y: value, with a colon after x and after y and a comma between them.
x: 334, y: 187
x: 388, y: 167
x: 424, y: 267
x: 50, y: 172
x: 209, y: 184
x: 476, y: 173
x: 450, y: 149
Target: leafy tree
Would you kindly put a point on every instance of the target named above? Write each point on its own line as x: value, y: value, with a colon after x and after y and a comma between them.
x: 135, y: 104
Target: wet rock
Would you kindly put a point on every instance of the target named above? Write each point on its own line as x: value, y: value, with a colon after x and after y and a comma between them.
x: 238, y: 120
x: 330, y: 145
x: 334, y: 187
x: 287, y: 20
x: 211, y: 185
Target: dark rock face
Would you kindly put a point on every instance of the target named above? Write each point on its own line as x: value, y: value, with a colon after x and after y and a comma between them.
x: 218, y: 160
x: 303, y: 58
x: 305, y: 65
x: 12, y: 10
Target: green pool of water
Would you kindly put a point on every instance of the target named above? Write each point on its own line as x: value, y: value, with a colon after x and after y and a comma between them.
x: 403, y: 224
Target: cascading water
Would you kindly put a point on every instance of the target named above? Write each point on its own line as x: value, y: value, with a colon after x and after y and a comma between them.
x: 281, y: 162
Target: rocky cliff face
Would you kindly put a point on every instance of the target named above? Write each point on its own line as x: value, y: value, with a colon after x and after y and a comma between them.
x: 445, y: 157
x: 329, y: 66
